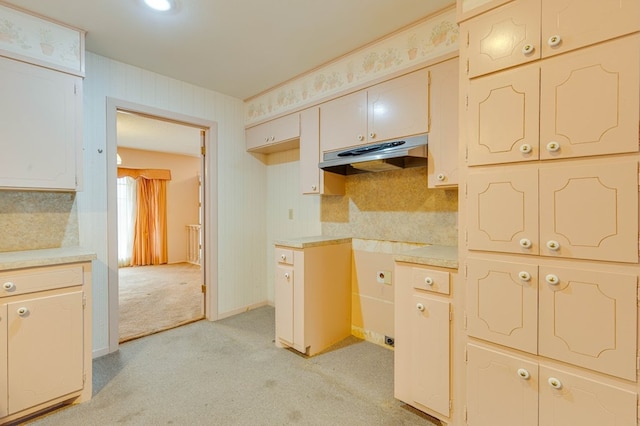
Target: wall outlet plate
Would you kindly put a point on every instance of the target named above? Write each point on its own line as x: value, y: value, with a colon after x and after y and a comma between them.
x: 383, y: 277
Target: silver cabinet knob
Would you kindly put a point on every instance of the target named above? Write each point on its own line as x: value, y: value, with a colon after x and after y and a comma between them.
x: 428, y: 281
x: 523, y: 373
x: 372, y: 135
x: 420, y: 307
x: 23, y: 311
x: 287, y: 275
x: 9, y: 286
x: 360, y: 137
x: 283, y: 256
x: 441, y: 177
x: 314, y: 188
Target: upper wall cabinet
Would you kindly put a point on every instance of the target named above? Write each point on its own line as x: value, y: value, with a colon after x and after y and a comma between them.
x: 280, y: 134
x: 395, y: 108
x: 526, y: 30
x: 41, y: 134
x: 42, y: 64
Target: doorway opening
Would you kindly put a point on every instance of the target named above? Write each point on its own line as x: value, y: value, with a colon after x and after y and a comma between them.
x: 179, y: 285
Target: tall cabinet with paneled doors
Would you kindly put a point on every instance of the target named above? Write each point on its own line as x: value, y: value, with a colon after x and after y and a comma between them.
x: 549, y: 112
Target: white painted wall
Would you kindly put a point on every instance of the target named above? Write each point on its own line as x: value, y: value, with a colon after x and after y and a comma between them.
x: 283, y: 193
x: 242, y: 183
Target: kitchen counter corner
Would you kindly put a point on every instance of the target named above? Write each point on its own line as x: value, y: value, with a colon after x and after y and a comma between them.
x: 314, y: 241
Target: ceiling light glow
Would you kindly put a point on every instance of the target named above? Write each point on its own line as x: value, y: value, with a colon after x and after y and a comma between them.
x: 161, y: 5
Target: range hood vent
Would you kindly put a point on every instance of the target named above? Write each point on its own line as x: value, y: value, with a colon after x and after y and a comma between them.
x: 379, y: 157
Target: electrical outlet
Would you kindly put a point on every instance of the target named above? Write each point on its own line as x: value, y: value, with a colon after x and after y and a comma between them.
x: 388, y: 340
x: 383, y: 277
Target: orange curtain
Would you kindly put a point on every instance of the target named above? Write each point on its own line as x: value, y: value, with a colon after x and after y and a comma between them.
x: 150, y: 234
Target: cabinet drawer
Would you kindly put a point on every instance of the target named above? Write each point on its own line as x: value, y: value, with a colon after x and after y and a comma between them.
x: 284, y: 256
x: 430, y: 280
x: 47, y: 278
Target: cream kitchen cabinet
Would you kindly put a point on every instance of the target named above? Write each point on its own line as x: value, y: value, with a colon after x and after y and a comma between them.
x: 442, y: 159
x: 545, y: 308
x: 312, y: 179
x: 585, y: 209
x: 312, y: 296
x: 41, y: 134
x: 469, y: 8
x: 279, y: 134
x: 525, y: 30
x: 506, y: 389
x: 422, y: 358
x: 392, y: 109
x: 46, y: 338
x: 585, y: 103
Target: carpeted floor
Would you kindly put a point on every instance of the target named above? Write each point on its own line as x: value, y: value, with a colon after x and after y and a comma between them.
x: 230, y: 373
x: 155, y: 298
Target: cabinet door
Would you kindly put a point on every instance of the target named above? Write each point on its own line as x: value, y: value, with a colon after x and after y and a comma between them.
x: 442, y: 167
x: 503, y: 117
x: 502, y: 390
x: 567, y: 399
x: 45, y: 349
x: 505, y: 203
x: 343, y: 122
x: 587, y: 318
x: 430, y: 353
x: 589, y: 210
x: 284, y: 292
x: 589, y: 101
x: 506, y: 36
x: 502, y: 303
x: 312, y: 179
x: 399, y: 107
x: 570, y: 24
x: 273, y: 133
x: 41, y: 126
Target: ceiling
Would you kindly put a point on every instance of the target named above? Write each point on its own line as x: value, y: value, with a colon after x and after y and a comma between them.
x: 236, y: 47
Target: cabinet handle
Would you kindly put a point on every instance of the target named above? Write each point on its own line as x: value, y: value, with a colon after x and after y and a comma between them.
x: 552, y: 279
x: 525, y: 148
x: 283, y: 257
x: 523, y: 373
x: 553, y: 146
x: 9, y: 286
x: 525, y: 243
x: 360, y: 137
x: 428, y: 281
x: 524, y: 276
x: 553, y: 245
x: 527, y: 49
x: 313, y: 187
x: 440, y: 177
x: 420, y: 307
x: 286, y: 275
x: 23, y: 311
x: 273, y: 138
x: 554, y: 383
x: 372, y: 135
x: 554, y: 40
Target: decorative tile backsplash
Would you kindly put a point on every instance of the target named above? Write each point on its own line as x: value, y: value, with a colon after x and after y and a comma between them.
x: 392, y: 206
x: 436, y: 36
x: 31, y: 220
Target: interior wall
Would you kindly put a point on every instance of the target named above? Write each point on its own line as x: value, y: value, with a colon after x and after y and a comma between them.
x: 241, y: 184
x: 182, y: 193
x: 284, y: 196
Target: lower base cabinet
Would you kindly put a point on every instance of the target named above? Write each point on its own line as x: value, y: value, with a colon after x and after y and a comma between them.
x: 45, y: 340
x: 422, y: 356
x: 313, y: 296
x: 505, y: 389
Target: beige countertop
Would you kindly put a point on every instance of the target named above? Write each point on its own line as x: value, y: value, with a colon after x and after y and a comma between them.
x: 314, y: 241
x: 44, y: 257
x: 433, y: 255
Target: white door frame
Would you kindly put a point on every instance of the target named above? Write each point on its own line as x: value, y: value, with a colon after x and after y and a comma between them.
x: 210, y: 201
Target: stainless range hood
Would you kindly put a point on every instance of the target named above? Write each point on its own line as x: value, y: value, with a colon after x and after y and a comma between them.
x: 378, y: 157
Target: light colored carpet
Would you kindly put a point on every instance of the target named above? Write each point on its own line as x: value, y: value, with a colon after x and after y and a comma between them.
x: 230, y: 373
x: 156, y: 298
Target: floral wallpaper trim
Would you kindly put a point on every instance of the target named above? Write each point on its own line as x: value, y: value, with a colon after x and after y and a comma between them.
x: 45, y: 41
x: 431, y: 38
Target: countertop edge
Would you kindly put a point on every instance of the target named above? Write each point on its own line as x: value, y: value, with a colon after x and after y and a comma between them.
x: 44, y: 257
x: 306, y: 242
